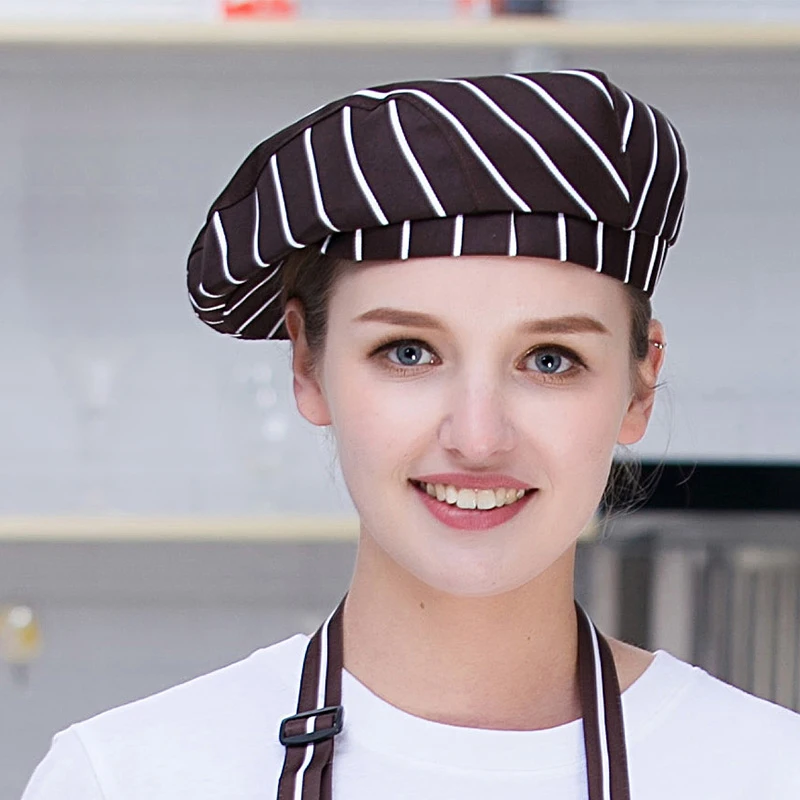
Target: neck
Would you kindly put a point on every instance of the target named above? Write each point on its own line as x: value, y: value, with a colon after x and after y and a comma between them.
x: 507, y: 661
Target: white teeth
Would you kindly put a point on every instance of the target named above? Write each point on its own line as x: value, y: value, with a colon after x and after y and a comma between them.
x: 467, y: 499
x: 486, y: 499
x: 483, y: 499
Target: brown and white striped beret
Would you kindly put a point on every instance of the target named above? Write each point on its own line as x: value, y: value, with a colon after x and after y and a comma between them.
x: 562, y: 165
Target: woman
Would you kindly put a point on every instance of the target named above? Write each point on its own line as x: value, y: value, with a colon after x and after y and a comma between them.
x: 464, y: 270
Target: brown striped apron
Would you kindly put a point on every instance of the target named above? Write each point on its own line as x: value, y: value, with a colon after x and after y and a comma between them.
x: 308, y: 735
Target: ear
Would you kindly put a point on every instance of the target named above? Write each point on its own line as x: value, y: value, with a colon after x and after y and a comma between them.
x: 637, y: 415
x: 308, y: 393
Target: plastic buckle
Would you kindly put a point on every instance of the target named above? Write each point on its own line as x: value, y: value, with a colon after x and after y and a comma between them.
x: 311, y: 737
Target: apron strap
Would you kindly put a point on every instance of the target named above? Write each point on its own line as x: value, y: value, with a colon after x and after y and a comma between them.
x: 308, y: 735
x: 603, y: 725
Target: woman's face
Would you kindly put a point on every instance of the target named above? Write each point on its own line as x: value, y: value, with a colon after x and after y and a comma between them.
x: 480, y: 374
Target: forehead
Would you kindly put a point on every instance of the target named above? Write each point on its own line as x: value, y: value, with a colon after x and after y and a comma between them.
x: 483, y: 292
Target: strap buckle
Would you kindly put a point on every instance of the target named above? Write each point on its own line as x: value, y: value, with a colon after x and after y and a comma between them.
x: 311, y: 737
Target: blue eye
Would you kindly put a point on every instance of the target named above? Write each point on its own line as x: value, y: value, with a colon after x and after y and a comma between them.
x: 410, y: 354
x: 550, y: 362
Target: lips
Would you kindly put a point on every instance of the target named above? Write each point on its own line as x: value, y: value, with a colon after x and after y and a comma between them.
x: 472, y: 519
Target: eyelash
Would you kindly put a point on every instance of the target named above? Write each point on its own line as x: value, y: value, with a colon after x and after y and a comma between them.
x: 578, y: 363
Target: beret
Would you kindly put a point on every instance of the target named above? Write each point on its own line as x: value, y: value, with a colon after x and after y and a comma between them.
x: 562, y: 165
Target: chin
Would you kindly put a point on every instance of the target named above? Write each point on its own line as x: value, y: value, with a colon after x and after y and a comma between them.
x: 472, y: 579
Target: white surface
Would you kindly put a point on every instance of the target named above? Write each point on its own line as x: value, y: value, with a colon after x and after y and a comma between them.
x: 682, y: 9
x: 688, y: 735
x: 101, y: 10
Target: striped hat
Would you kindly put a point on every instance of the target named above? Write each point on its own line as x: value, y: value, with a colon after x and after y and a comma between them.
x: 562, y: 165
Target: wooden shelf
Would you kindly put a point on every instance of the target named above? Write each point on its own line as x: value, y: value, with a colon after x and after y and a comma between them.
x: 184, y: 529
x: 500, y: 33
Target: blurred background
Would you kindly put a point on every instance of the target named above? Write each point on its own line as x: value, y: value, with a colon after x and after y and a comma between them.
x: 163, y: 508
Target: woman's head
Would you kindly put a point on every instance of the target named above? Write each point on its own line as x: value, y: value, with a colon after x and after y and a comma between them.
x: 476, y: 350
x: 521, y: 371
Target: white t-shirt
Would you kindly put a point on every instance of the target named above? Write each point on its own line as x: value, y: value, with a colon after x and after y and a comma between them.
x: 689, y: 736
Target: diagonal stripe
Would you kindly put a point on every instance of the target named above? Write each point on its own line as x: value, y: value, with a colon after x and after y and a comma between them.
x: 287, y: 231
x: 462, y: 132
x: 324, y: 248
x: 259, y: 312
x: 512, y: 235
x: 651, y: 265
x: 591, y: 78
x: 223, y: 247
x: 579, y: 130
x: 458, y: 235
x: 631, y: 242
x: 411, y: 159
x: 276, y: 326
x: 562, y: 238
x: 366, y: 190
x: 626, y: 128
x: 204, y: 308
x: 248, y: 294
x: 653, y: 163
x: 662, y: 257
x: 315, y: 187
x: 531, y: 142
x: 676, y: 153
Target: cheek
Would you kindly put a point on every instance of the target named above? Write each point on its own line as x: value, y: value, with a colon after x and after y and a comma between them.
x: 575, y: 433
x: 378, y: 424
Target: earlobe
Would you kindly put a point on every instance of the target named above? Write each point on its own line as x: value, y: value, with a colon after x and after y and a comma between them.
x: 637, y: 417
x: 634, y: 424
x: 308, y: 393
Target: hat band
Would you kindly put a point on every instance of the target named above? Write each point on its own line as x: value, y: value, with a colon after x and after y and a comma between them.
x: 633, y: 257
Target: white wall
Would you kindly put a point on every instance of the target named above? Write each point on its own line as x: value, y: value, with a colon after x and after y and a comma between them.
x: 112, y: 397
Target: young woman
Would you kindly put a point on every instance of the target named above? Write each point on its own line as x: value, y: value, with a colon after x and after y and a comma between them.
x: 464, y: 269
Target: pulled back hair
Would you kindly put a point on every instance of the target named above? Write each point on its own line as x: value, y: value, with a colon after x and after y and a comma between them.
x: 310, y: 277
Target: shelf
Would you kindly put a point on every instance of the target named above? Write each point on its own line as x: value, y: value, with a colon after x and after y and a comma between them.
x: 29, y: 529
x: 183, y: 529
x: 501, y: 33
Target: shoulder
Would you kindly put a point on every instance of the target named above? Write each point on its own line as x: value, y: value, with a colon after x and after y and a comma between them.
x: 223, y: 717
x: 265, y: 679
x: 717, y: 734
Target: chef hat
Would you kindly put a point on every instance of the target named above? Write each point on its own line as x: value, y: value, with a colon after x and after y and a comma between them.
x: 561, y: 165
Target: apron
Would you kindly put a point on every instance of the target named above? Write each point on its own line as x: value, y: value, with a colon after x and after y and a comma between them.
x: 308, y: 735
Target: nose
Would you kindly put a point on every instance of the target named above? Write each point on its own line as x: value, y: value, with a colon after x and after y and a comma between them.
x: 475, y: 428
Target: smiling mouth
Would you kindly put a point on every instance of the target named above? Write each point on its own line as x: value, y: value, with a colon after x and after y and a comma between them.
x: 472, y: 499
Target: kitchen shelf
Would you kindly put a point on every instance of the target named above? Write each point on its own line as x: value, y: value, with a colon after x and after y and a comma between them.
x: 287, y: 528
x: 499, y: 33
x: 187, y: 529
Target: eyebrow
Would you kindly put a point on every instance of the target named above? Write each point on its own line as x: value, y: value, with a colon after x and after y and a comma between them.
x: 575, y: 323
